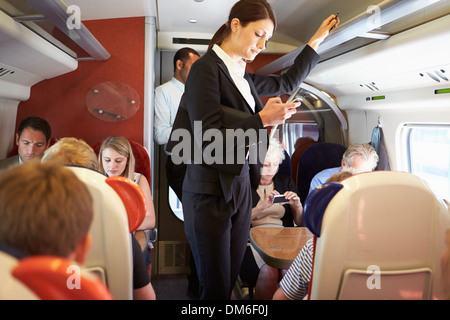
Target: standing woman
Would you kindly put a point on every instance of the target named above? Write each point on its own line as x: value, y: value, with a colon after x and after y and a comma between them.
x: 116, y: 159
x: 217, y: 195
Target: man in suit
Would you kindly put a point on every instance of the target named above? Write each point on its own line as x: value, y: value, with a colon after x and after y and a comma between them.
x: 167, y: 100
x: 32, y: 139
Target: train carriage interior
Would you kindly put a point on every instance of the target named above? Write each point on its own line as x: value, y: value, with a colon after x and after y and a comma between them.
x: 90, y: 69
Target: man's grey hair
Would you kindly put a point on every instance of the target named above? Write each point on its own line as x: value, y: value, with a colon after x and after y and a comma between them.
x: 364, y: 150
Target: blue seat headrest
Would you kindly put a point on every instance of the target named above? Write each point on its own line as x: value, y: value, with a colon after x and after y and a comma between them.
x: 316, y: 203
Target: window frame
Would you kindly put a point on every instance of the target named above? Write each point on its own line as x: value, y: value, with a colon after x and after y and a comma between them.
x: 407, y: 151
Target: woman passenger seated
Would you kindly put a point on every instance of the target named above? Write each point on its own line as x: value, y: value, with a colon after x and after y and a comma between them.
x: 267, y: 214
x: 116, y: 159
x: 73, y: 151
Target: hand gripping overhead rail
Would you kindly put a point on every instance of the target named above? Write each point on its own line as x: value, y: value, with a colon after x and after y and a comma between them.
x: 55, y: 11
x: 363, y: 25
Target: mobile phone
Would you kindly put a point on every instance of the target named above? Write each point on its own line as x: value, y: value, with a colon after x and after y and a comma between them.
x: 279, y: 198
x: 335, y: 17
x: 298, y: 99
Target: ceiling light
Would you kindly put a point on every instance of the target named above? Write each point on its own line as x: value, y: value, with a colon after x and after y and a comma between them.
x: 193, y: 20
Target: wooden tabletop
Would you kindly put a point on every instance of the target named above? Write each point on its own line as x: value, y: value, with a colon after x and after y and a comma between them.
x: 278, y: 247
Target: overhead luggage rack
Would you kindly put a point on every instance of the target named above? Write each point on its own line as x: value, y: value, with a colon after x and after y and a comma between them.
x: 59, y: 24
x: 377, y: 23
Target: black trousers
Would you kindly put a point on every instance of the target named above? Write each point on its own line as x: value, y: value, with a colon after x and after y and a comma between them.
x: 218, y: 234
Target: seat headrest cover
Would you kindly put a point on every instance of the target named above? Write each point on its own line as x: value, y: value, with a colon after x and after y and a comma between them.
x: 133, y: 199
x: 49, y: 278
x: 316, y: 203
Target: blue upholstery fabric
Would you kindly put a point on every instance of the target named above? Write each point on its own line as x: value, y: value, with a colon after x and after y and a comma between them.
x: 285, y: 167
x: 316, y: 204
x: 316, y: 158
x: 379, y: 145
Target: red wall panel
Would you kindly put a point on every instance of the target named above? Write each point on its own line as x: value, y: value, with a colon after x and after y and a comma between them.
x: 62, y: 100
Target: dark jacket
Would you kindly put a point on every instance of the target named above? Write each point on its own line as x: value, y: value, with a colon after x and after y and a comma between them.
x: 208, y: 88
x: 9, y: 162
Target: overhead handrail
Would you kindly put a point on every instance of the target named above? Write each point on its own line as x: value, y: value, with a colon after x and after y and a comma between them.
x: 363, y: 25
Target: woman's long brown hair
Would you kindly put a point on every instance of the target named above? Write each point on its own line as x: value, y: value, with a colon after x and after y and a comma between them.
x: 246, y: 11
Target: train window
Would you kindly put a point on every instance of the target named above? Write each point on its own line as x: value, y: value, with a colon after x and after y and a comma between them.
x: 428, y: 156
x: 294, y: 130
x: 175, y: 204
x: 317, y: 117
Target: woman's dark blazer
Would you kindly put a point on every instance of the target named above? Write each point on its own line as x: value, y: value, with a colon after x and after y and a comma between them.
x: 210, y: 86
